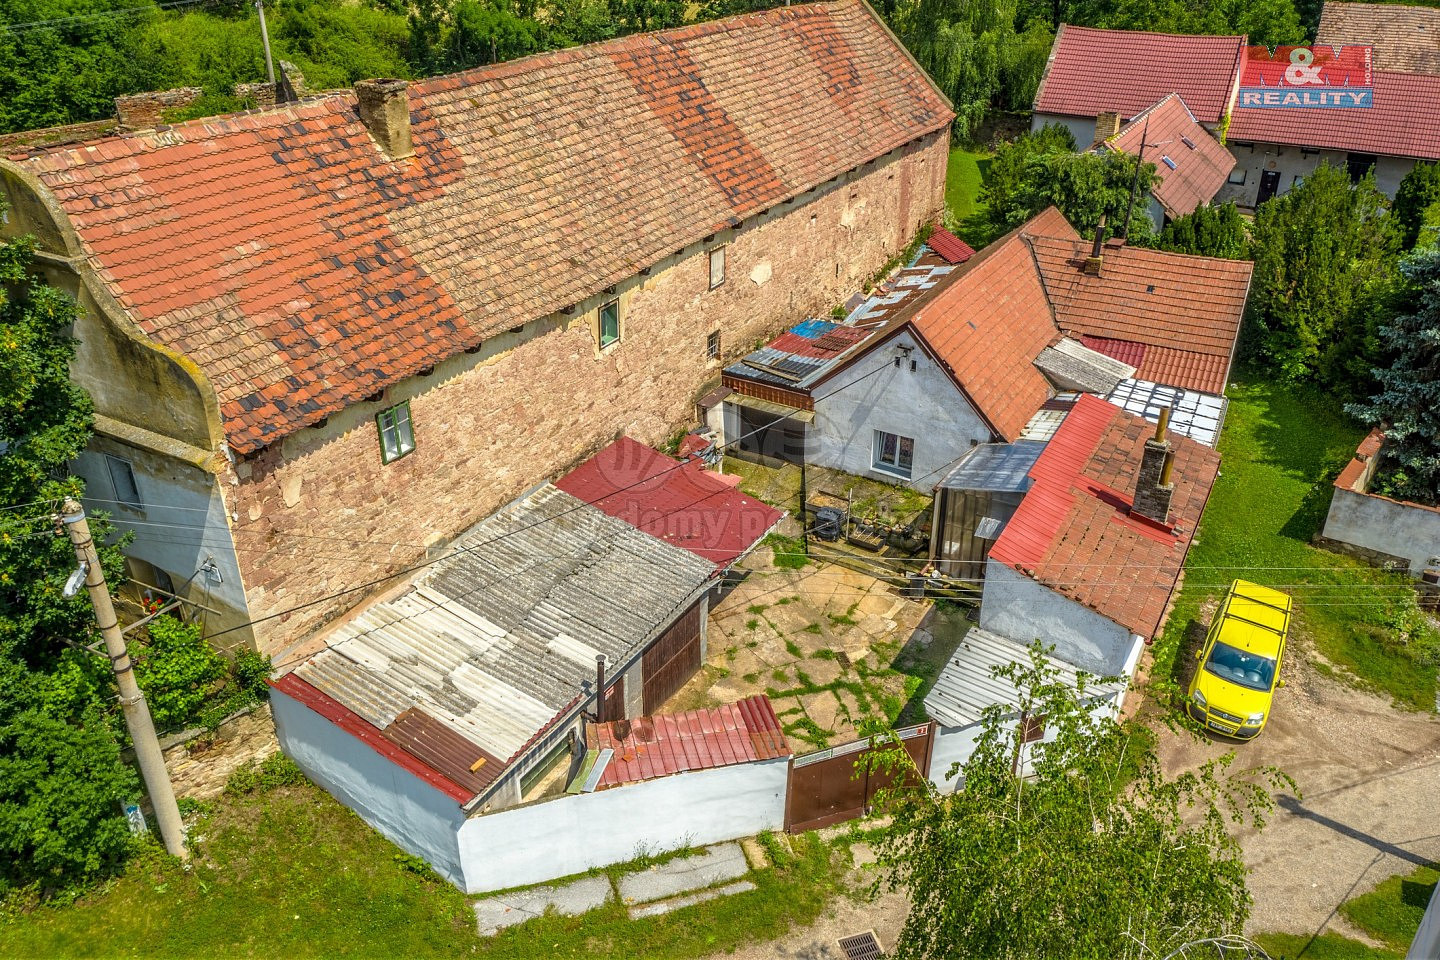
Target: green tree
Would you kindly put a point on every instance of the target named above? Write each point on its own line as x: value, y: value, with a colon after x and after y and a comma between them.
x: 1324, y: 266
x: 1085, y: 186
x: 1007, y: 170
x: 1075, y: 860
x: 1269, y: 22
x: 1208, y: 231
x: 1407, y: 403
x: 1417, y: 192
x: 61, y: 778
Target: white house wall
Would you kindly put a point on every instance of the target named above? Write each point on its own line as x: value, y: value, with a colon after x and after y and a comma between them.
x: 1291, y: 162
x: 874, y: 394
x: 575, y: 833
x: 180, y: 525
x: 1023, y: 609
x: 1082, y: 128
x: 413, y: 815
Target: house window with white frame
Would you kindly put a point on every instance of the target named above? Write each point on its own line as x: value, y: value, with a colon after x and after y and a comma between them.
x: 122, y: 479
x: 609, y: 331
x: 894, y: 453
x: 397, y: 435
x: 717, y: 267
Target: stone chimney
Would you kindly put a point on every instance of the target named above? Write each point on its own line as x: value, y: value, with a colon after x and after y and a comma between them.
x: 385, y: 111
x: 1096, y: 259
x: 1154, y: 487
x: 1106, y: 126
x: 142, y: 111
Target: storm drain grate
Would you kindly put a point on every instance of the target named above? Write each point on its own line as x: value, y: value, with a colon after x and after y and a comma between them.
x: 861, y: 946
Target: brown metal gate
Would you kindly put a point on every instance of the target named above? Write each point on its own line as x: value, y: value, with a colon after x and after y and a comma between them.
x: 671, y: 660
x: 827, y: 787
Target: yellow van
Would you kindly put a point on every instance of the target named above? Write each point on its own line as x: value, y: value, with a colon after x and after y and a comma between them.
x: 1240, y: 663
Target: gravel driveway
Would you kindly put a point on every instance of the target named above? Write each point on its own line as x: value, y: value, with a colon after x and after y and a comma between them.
x: 1369, y: 782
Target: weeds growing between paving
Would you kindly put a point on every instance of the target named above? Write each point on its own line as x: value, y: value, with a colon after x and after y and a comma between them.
x: 1281, y: 451
x: 1390, y: 913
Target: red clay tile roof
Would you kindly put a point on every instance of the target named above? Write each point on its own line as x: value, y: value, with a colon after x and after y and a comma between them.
x: 1404, y: 121
x: 1201, y: 163
x: 1185, y: 310
x: 1124, y: 71
x: 302, y: 272
x: 650, y: 747
x: 987, y: 322
x: 1073, y: 530
x: 1405, y: 38
x: 950, y: 247
x: 680, y: 503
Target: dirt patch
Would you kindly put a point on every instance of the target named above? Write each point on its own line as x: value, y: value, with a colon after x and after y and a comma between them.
x: 1366, y: 774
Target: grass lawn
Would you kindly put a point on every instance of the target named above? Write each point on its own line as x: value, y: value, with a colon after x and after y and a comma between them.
x: 1282, y: 449
x: 1390, y: 913
x: 964, y: 176
x: 290, y: 873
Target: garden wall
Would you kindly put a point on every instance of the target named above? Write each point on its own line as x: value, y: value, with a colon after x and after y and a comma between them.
x: 1379, y: 530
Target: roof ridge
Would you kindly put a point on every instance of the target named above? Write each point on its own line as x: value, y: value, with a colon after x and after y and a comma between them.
x: 1156, y: 33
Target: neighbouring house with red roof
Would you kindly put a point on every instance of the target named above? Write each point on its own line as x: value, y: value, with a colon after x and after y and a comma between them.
x: 326, y: 337
x: 945, y: 357
x: 1191, y: 166
x: 477, y: 687
x: 1098, y: 79
x: 1120, y: 74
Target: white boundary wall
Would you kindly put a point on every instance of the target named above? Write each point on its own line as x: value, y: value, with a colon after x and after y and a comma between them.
x: 572, y: 834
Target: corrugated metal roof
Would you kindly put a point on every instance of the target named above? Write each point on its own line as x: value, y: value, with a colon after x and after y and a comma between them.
x: 967, y: 684
x: 1070, y: 365
x: 999, y: 467
x: 649, y: 747
x: 500, y: 638
x: 680, y: 503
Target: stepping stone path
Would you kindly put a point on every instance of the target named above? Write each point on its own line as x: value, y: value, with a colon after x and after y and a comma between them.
x: 507, y: 909
x: 722, y: 862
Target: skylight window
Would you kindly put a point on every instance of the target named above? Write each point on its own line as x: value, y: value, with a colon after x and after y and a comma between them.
x: 1168, y: 162
x: 1188, y: 142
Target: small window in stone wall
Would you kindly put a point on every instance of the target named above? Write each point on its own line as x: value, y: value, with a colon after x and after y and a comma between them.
x: 122, y: 478
x: 609, y: 323
x: 712, y: 345
x: 717, y: 267
x: 397, y: 435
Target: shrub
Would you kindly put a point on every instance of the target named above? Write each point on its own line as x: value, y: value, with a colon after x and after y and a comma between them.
x: 276, y: 770
x: 179, y: 672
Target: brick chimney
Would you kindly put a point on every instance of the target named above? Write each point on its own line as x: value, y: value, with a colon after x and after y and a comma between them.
x: 1153, y: 487
x: 1106, y: 126
x: 142, y: 111
x: 385, y: 111
x: 1096, y: 259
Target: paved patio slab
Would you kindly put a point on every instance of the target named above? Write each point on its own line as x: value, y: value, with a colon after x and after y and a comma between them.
x: 675, y: 903
x: 722, y: 862
x: 494, y: 914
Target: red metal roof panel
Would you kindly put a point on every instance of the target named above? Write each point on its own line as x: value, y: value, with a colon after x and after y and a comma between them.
x: 675, y: 501
x: 950, y: 247
x: 649, y: 747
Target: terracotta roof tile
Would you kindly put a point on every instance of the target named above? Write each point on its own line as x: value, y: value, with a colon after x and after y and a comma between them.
x: 1404, y: 121
x: 987, y: 322
x: 1094, y: 71
x: 950, y: 247
x: 303, y: 272
x: 1185, y: 310
x: 1073, y: 530
x: 1190, y: 164
x: 1406, y: 39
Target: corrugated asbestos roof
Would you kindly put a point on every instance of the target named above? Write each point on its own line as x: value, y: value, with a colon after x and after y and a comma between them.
x: 649, y: 747
x: 681, y: 503
x: 1070, y: 365
x: 1074, y: 531
x: 1093, y: 71
x: 303, y: 271
x: 500, y: 638
x: 967, y: 685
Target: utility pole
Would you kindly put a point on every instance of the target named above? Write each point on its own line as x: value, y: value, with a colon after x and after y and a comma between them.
x: 132, y: 701
x: 265, y: 39
x: 1135, y: 183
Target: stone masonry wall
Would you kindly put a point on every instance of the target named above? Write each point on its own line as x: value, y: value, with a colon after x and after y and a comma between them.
x: 318, y: 513
x: 200, y: 765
